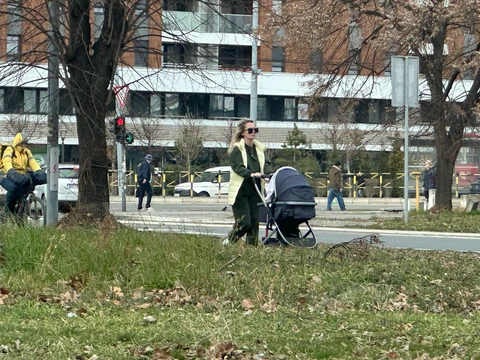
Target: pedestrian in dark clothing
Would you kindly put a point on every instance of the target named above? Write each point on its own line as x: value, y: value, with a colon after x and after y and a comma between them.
x: 335, y: 187
x: 360, y: 183
x: 429, y: 178
x: 144, y: 175
x: 247, y: 158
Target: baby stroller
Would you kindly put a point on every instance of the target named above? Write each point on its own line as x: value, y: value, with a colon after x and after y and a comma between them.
x: 288, y: 203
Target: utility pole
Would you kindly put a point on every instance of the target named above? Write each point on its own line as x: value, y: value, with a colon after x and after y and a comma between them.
x: 53, y: 109
x: 121, y: 95
x: 254, y: 80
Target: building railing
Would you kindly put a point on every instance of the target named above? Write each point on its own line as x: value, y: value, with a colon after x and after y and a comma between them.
x: 207, y: 22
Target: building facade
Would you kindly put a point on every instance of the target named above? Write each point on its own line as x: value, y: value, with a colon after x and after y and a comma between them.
x: 189, y: 63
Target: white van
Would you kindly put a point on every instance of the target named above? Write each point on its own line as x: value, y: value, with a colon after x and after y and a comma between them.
x: 206, y: 184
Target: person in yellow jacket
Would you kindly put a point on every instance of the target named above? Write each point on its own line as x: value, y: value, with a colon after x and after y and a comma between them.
x: 247, y: 158
x: 17, y: 160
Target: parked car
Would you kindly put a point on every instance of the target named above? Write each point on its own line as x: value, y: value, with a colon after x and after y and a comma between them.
x: 67, y: 187
x: 475, y: 187
x: 207, y: 183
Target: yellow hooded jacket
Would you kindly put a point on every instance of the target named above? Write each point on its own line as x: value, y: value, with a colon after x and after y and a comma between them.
x: 20, y: 159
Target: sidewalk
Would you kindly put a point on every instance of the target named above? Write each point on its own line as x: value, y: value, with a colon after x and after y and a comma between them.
x: 318, y: 200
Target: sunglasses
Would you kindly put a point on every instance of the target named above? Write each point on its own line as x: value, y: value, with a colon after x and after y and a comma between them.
x: 252, y: 130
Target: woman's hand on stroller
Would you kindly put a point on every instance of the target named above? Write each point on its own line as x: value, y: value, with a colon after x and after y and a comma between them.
x: 256, y: 175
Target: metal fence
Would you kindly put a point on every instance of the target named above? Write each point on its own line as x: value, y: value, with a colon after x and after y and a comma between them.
x: 377, y: 184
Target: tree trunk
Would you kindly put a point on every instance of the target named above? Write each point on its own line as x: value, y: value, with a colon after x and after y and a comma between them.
x: 91, y: 70
x: 448, y: 144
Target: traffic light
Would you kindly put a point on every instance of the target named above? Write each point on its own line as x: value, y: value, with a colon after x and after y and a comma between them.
x: 119, y: 128
x: 129, y: 138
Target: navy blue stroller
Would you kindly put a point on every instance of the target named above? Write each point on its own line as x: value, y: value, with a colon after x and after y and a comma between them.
x: 288, y: 203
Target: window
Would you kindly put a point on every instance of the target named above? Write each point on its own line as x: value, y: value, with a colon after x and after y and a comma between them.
x: 236, y: 7
x: 139, y: 104
x: 278, y: 59
x: 275, y: 108
x: 65, y: 103
x: 30, y: 101
x: 289, y: 109
x: 222, y: 106
x: 142, y: 5
x: 156, y: 105
x: 262, y: 108
x: 229, y: 106
x: 14, y: 32
x: 355, y: 44
x: 180, y: 5
x: 388, y: 62
x: 302, y: 111
x: 216, y: 106
x: 231, y: 57
x: 98, y: 23
x: 43, y: 101
x: 469, y: 48
x: 361, y: 112
x: 172, y: 105
x: 141, y: 52
x: 179, y: 54
x: 1, y: 101
x: 316, y: 60
x: 13, y: 100
x: 141, y: 41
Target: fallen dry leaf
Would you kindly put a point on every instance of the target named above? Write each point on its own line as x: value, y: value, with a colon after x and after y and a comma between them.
x: 247, y: 304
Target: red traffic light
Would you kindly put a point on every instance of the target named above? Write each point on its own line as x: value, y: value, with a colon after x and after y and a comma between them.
x: 120, y: 121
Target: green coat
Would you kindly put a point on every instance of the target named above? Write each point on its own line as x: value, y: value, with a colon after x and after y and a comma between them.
x: 236, y: 180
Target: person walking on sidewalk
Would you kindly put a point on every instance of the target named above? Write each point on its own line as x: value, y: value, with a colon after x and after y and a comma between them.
x: 247, y: 158
x: 335, y: 187
x: 429, y: 178
x: 144, y: 175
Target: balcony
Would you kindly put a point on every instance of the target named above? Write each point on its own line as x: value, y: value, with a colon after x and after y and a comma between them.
x: 184, y: 21
x: 207, y: 22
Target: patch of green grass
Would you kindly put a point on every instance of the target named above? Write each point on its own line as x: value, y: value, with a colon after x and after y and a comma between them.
x: 444, y: 221
x: 77, y: 293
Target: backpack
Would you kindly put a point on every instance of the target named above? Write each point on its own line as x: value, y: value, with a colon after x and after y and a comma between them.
x: 2, y: 150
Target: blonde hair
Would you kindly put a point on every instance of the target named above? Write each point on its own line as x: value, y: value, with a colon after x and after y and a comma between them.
x: 238, y: 133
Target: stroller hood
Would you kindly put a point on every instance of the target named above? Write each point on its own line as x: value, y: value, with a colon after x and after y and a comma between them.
x: 290, y: 185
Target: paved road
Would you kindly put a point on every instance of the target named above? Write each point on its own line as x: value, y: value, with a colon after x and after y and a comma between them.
x: 329, y: 226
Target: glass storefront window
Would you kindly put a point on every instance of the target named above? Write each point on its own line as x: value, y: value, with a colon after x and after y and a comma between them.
x: 229, y: 106
x: 155, y: 105
x: 289, y: 109
x: 30, y: 101
x: 262, y: 108
x: 216, y: 106
x: 43, y: 101
x: 172, y: 105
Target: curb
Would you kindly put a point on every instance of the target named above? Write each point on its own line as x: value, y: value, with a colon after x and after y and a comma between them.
x: 151, y: 218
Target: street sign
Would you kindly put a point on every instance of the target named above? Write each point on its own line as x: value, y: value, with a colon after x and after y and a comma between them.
x: 404, y: 81
x: 121, y: 93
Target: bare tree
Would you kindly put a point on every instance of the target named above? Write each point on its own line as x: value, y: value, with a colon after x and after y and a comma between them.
x: 22, y: 123
x: 189, y: 143
x: 147, y: 132
x: 357, y: 38
x: 93, y: 39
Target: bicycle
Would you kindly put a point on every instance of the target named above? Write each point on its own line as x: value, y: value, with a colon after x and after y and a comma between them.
x: 30, y: 209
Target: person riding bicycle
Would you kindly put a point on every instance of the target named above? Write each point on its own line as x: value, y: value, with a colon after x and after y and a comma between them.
x: 16, y: 161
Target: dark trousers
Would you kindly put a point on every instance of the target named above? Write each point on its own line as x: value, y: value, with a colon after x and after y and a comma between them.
x: 13, y: 193
x: 245, y: 211
x: 144, y: 188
